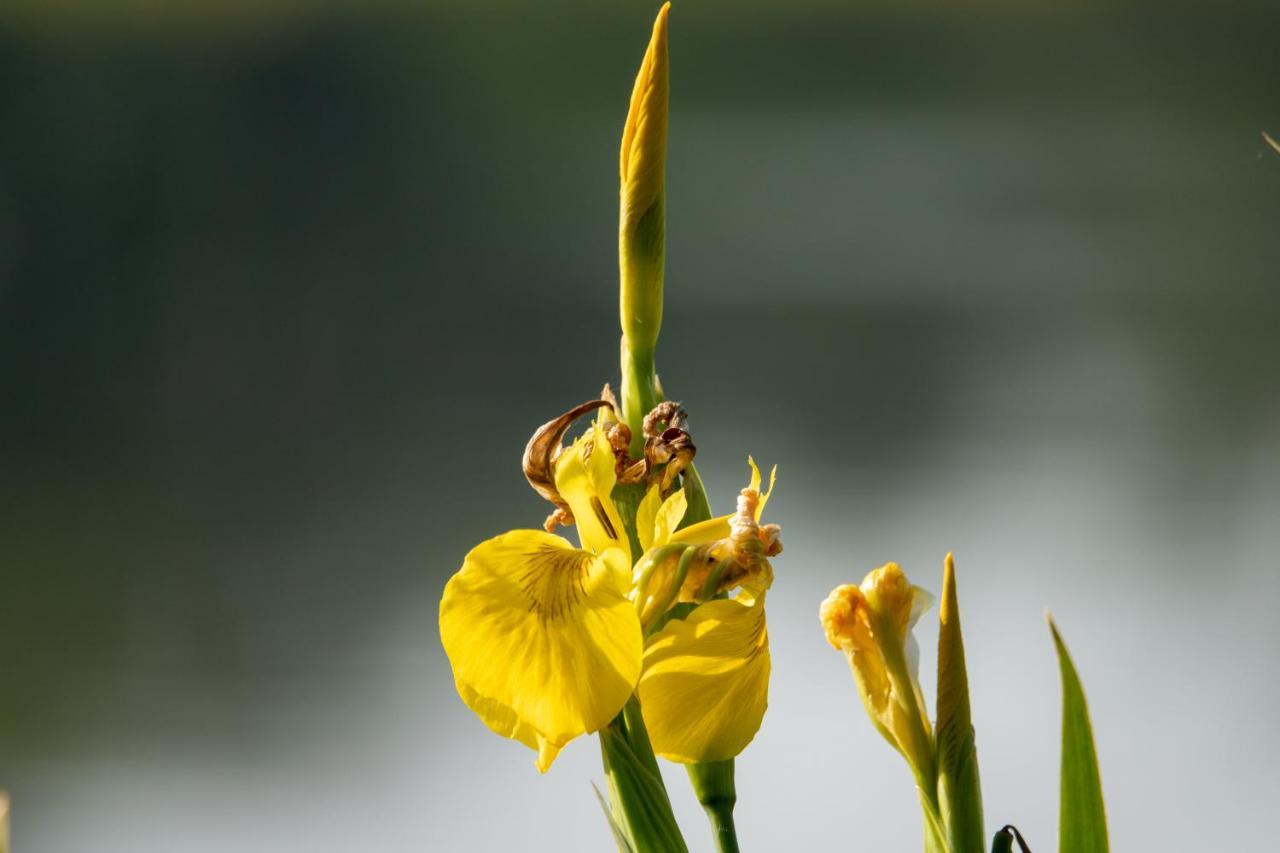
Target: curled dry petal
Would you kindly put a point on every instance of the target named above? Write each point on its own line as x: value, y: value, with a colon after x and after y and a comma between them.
x: 540, y: 456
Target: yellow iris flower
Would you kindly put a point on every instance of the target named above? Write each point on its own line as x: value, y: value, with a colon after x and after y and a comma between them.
x: 545, y: 638
x: 543, y: 641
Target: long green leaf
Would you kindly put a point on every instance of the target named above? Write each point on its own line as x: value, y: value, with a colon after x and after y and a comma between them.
x: 619, y: 834
x: 641, y: 811
x: 1082, y: 818
x: 959, y: 788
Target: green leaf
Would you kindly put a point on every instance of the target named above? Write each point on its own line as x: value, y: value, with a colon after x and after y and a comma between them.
x: 959, y: 788
x: 641, y: 809
x: 1082, y: 819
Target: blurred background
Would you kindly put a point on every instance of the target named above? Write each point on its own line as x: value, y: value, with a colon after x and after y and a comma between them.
x: 285, y: 287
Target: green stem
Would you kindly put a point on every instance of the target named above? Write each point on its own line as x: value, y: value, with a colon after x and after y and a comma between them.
x: 714, y: 787
x: 935, y: 833
x: 726, y: 836
x: 918, y: 745
x: 639, y: 391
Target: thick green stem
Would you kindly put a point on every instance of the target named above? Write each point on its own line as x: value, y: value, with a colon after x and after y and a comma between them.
x: 714, y: 787
x: 726, y: 836
x: 639, y: 392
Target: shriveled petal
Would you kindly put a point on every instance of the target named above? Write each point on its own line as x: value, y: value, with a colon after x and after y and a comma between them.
x: 585, y: 478
x: 657, y: 519
x: 714, y: 529
x: 888, y: 591
x: 543, y: 642
x: 705, y: 685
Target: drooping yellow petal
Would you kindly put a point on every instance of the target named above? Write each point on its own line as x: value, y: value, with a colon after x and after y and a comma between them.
x: 543, y: 642
x: 585, y: 477
x: 657, y: 519
x: 705, y: 685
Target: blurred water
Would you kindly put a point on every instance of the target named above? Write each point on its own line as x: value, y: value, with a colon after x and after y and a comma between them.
x: 280, y: 303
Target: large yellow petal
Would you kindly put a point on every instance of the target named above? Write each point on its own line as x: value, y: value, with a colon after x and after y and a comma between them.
x: 705, y: 685
x: 543, y: 642
x: 585, y: 478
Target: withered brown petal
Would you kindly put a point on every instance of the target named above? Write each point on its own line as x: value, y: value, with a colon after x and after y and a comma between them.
x: 540, y: 452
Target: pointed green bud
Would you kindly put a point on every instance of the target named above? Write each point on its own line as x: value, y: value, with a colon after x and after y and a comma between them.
x: 641, y: 229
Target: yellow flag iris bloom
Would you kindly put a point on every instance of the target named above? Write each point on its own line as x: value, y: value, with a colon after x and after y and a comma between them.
x: 545, y: 638
x: 544, y: 643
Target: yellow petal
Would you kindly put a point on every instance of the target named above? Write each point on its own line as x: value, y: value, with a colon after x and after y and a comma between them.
x: 585, y: 478
x: 705, y: 685
x: 657, y: 519
x: 543, y: 642
x: 705, y: 532
x: 646, y: 514
x: 755, y: 484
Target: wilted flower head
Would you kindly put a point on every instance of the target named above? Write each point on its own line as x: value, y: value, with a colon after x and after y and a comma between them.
x: 871, y: 623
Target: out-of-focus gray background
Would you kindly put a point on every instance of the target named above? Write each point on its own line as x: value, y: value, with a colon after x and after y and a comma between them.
x: 285, y: 287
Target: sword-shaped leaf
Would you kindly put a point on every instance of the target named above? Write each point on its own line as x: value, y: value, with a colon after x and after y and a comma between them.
x: 959, y: 788
x: 1082, y: 818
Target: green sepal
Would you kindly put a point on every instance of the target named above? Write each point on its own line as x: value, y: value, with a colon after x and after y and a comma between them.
x: 1082, y: 815
x: 959, y: 789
